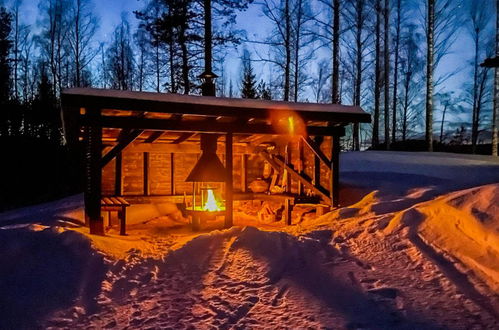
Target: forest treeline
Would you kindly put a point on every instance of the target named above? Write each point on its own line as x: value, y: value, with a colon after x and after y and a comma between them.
x: 384, y: 55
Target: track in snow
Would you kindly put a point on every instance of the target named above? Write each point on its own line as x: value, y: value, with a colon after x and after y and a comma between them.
x: 246, y: 278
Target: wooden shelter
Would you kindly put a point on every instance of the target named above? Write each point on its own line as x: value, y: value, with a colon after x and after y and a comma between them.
x: 141, y: 146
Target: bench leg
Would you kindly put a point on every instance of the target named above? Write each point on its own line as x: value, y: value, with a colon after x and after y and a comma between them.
x: 122, y: 216
x: 319, y: 211
x: 196, y: 223
x: 288, y: 208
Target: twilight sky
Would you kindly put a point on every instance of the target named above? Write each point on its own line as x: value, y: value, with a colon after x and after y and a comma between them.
x: 110, y: 11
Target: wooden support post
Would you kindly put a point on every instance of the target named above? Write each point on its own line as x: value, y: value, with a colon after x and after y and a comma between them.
x: 93, y: 149
x: 244, y: 173
x: 301, y: 165
x: 146, y: 174
x: 228, y: 185
x: 335, y: 171
x: 172, y: 174
x: 288, y: 209
x: 317, y: 163
x: 196, y: 222
x: 287, y: 161
x: 122, y: 216
x: 118, y: 175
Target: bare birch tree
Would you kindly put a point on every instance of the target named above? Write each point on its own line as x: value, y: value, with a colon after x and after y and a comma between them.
x: 358, y: 17
x: 330, y: 33
x: 336, y: 98
x: 52, y: 38
x: 478, y: 20
x: 386, y: 53
x: 377, y: 74
x: 120, y: 63
x: 82, y: 28
x: 430, y: 45
x: 15, y: 46
x: 396, y: 53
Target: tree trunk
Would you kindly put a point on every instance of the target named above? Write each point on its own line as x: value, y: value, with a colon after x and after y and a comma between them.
x: 495, y: 112
x: 185, y: 66
x: 171, y: 50
x: 359, y: 22
x: 158, y: 68
x: 481, y: 91
x: 336, y: 53
x: 442, y: 124
x: 429, y: 73
x: 395, y: 73
x: 16, y: 49
x: 387, y: 74
x: 173, y: 87
x: 297, y: 49
x: 77, y: 44
x: 474, y: 122
x: 287, y: 47
x: 377, y: 78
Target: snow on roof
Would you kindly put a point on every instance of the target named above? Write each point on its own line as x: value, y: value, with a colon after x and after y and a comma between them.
x: 208, y: 105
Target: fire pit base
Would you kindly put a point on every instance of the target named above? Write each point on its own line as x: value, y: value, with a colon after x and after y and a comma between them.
x: 201, y: 216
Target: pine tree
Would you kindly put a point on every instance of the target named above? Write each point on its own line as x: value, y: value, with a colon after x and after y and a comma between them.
x: 45, y: 109
x: 264, y: 92
x: 248, y: 90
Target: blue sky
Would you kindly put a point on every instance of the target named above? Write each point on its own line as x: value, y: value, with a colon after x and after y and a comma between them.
x: 257, y: 27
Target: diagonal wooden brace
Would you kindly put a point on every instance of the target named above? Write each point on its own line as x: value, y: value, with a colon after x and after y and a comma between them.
x: 278, y: 164
x: 122, y: 143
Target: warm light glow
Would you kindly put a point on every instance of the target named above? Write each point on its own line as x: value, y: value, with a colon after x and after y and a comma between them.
x: 211, y: 203
x: 291, y: 123
x: 288, y: 123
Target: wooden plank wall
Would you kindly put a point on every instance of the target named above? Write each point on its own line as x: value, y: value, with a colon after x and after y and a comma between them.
x: 160, y: 182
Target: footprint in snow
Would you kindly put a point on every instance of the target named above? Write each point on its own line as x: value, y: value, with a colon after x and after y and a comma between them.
x: 390, y: 293
x: 278, y: 299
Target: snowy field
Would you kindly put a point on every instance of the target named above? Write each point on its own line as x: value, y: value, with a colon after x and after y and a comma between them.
x: 414, y: 246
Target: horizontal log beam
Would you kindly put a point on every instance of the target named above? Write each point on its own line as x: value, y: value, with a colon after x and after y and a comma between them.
x: 201, y: 126
x: 184, y: 148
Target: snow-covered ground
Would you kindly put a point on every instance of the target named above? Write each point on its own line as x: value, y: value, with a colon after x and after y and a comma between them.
x: 415, y: 246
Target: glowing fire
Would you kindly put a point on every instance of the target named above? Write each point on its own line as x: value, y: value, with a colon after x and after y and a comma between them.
x: 211, y: 203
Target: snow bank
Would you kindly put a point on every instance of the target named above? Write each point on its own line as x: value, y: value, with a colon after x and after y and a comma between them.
x: 243, y: 278
x: 397, y: 173
x: 67, y: 209
x: 464, y: 225
x: 44, y: 269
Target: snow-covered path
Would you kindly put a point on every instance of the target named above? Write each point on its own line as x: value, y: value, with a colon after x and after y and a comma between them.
x: 247, y: 278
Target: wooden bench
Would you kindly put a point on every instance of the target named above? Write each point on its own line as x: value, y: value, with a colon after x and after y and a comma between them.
x: 119, y: 205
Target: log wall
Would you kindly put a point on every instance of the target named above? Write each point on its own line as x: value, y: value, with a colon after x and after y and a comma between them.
x: 160, y: 171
